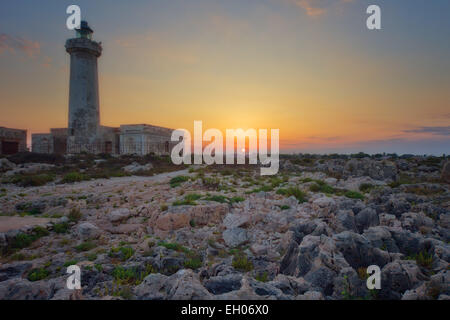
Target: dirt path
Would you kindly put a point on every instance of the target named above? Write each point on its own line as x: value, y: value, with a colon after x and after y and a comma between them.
x: 14, y: 223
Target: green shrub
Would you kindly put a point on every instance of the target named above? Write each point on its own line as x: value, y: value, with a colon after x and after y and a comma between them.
x: 354, y: 195
x: 85, y: 246
x: 176, y: 181
x: 70, y: 263
x: 38, y: 274
x: 188, y: 200
x: 62, y: 227
x: 241, y: 262
x: 74, y: 177
x: 321, y: 186
x: 173, y: 246
x: 366, y: 187
x: 193, y: 263
x: 293, y: 191
x: 263, y: 277
x: 36, y: 180
x: 217, y: 198
x: 236, y: 199
x: 75, y: 215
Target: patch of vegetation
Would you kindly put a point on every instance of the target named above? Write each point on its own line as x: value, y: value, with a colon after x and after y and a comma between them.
x: 366, y: 187
x: 354, y: 195
x: 321, y: 186
x: 178, y: 180
x: 164, y: 207
x: 263, y: 277
x: 193, y: 262
x: 189, y: 200
x: 241, y: 262
x: 62, y: 227
x: 173, y: 246
x: 284, y: 207
x: 423, y: 259
x: 70, y: 263
x: 74, y: 177
x: 38, y: 274
x: 131, y: 276
x: 85, y: 246
x: 293, y: 191
x: 124, y: 253
x: 75, y: 215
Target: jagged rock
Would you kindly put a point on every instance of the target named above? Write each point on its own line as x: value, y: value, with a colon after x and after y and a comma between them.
x: 14, y: 270
x: 87, y: 230
x: 136, y: 167
x: 345, y: 220
x: 22, y: 289
x: 380, y: 237
x: 30, y: 168
x: 445, y: 175
x: 6, y: 165
x: 236, y: 220
x: 235, y: 237
x: 183, y: 285
x: 378, y: 170
x: 366, y: 218
x: 223, y: 284
x: 358, y: 251
x: 399, y: 276
x: 118, y: 215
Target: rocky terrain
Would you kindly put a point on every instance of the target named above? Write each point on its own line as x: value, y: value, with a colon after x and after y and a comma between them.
x: 139, y: 229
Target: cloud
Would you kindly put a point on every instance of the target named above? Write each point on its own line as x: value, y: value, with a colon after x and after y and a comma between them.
x: 315, y: 8
x: 13, y: 44
x: 439, y: 131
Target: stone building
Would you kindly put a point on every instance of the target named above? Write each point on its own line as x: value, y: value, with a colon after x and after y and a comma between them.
x: 12, y: 140
x: 84, y: 132
x: 143, y: 139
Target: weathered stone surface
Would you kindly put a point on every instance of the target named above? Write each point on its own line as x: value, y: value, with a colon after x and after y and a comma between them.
x: 87, y: 230
x: 235, y: 237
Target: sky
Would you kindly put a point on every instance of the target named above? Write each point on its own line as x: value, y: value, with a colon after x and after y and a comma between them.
x: 309, y: 68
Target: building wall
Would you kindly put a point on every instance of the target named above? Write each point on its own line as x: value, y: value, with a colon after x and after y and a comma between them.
x: 12, y: 140
x: 143, y: 139
x: 42, y: 143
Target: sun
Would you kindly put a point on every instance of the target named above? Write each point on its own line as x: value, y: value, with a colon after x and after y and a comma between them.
x: 243, y: 150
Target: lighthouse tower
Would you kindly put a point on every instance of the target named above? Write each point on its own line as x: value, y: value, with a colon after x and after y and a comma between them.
x: 84, y: 108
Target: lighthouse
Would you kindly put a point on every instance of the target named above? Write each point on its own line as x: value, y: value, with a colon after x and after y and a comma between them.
x: 84, y: 107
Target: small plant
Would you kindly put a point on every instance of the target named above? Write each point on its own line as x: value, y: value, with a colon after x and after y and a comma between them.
x: 293, y: 191
x: 70, y: 263
x: 194, y: 262
x: 173, y: 246
x: 284, y: 207
x: 62, y: 227
x: 38, y: 274
x: 366, y: 187
x: 74, y: 177
x: 75, y: 215
x: 188, y: 200
x: 354, y: 195
x: 164, y: 207
x: 362, y: 273
x: 241, y: 262
x: 263, y: 277
x: 177, y: 181
x: 85, y: 246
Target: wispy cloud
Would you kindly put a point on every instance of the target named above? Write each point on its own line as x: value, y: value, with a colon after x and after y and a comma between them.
x: 439, y: 131
x: 315, y: 8
x: 13, y: 44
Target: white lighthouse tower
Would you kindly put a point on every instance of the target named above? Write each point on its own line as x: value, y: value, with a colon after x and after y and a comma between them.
x: 84, y: 106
